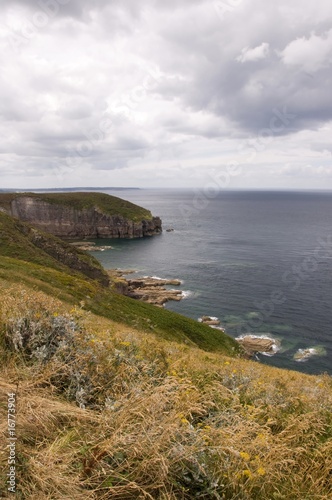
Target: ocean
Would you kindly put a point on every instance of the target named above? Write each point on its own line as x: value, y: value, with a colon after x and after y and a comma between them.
x: 259, y: 261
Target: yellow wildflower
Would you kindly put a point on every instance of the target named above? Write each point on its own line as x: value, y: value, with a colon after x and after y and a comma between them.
x: 261, y: 471
x: 247, y: 473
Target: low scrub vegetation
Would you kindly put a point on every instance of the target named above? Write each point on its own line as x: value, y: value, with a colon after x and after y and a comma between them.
x: 108, y: 410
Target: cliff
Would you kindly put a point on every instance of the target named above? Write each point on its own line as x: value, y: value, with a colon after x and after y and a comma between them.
x: 81, y: 215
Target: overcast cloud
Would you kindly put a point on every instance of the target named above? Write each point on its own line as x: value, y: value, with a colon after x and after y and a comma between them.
x: 155, y: 93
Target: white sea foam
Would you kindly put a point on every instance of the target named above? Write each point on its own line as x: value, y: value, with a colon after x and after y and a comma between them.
x: 162, y: 279
x: 303, y: 355
x: 275, y: 348
x: 186, y: 294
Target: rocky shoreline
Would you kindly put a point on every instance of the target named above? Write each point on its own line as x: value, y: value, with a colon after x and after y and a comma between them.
x: 153, y: 291
x: 147, y: 289
x: 90, y: 246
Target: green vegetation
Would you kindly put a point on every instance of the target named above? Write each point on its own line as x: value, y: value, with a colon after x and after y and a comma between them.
x: 110, y: 205
x: 31, y: 264
x: 25, y: 243
x: 118, y: 399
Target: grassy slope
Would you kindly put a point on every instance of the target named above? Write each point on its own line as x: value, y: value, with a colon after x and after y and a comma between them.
x: 16, y: 242
x: 23, y: 262
x: 108, y: 204
x: 163, y: 418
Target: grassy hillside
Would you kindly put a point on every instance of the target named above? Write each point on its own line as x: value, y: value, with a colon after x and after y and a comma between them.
x: 118, y: 399
x: 23, y: 260
x: 111, y: 205
x: 107, y: 411
x: 25, y: 243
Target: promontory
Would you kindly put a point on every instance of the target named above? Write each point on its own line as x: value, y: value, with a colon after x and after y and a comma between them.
x: 81, y: 214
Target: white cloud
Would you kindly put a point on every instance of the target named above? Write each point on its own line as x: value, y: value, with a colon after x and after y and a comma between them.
x: 311, y: 53
x: 256, y: 54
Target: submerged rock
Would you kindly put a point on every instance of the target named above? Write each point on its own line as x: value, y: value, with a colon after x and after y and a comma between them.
x: 309, y: 352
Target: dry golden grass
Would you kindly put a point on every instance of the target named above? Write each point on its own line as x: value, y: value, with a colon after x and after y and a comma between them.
x: 158, y: 420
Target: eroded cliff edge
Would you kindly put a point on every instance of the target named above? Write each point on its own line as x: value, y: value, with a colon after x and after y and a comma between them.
x: 82, y: 215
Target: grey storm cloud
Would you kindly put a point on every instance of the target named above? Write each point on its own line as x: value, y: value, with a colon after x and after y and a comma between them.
x: 104, y: 85
x: 244, y: 75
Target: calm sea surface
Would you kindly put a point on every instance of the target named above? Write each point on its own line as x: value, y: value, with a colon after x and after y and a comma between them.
x: 259, y: 261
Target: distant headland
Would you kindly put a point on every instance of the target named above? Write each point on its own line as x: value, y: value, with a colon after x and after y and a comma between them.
x: 68, y: 190
x: 81, y: 214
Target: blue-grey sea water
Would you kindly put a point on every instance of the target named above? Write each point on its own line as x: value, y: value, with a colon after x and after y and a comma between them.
x: 259, y: 261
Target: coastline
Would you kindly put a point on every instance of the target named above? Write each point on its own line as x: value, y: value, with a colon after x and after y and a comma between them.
x: 149, y: 289
x: 152, y: 290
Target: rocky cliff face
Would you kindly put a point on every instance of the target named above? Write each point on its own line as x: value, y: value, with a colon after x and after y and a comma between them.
x: 67, y: 222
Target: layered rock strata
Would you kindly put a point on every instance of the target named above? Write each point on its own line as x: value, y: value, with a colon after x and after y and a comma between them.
x: 252, y: 344
x: 150, y: 290
x: 68, y: 222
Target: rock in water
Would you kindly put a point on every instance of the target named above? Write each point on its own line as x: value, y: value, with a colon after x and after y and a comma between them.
x: 151, y: 290
x: 252, y: 344
x: 211, y: 321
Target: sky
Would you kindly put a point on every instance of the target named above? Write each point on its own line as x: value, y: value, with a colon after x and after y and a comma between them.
x: 166, y: 93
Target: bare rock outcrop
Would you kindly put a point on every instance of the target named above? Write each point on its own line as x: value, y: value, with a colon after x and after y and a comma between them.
x: 253, y: 344
x: 67, y: 222
x: 150, y: 290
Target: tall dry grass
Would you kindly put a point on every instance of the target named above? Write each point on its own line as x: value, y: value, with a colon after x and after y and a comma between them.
x: 110, y: 413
